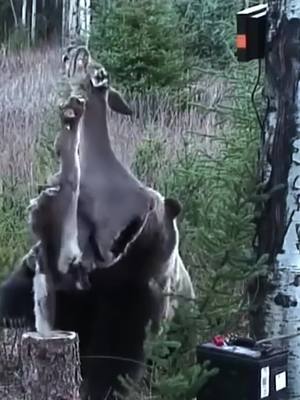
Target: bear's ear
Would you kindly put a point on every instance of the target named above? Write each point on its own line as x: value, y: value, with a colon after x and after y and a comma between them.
x: 117, y: 103
x: 173, y: 207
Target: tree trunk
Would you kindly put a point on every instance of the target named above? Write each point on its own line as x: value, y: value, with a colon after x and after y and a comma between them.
x: 88, y: 20
x: 65, y: 22
x: 51, y: 366
x: 73, y: 15
x: 84, y: 19
x: 277, y: 298
x: 11, y: 366
x: 33, y: 20
x: 24, y: 12
x: 76, y: 21
x: 14, y: 13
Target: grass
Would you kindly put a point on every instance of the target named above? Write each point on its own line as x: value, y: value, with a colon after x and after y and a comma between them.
x: 28, y: 96
x: 28, y: 124
x: 28, y: 81
x: 158, y: 119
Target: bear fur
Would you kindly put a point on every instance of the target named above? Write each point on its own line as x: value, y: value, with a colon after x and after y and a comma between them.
x: 112, y: 316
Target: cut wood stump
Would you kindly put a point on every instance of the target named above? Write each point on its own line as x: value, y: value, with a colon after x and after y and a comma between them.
x: 10, y: 364
x: 51, y: 366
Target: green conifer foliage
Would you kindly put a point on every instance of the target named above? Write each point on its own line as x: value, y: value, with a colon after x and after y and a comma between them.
x: 218, y: 191
x: 139, y: 43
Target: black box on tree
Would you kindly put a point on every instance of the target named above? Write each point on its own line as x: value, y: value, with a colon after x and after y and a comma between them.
x: 245, y: 373
x: 251, y: 32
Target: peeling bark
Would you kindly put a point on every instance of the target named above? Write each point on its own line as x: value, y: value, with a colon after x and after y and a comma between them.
x: 277, y: 299
x: 51, y: 366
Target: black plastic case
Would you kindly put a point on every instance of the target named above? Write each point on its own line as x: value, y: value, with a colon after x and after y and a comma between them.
x: 245, y: 373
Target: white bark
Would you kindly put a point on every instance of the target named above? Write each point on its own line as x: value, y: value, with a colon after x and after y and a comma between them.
x: 24, y: 12
x: 76, y: 21
x: 282, y: 316
x: 33, y: 20
x: 292, y: 9
x: 65, y: 22
x: 280, y: 320
x: 84, y: 19
x: 73, y: 12
x: 88, y: 20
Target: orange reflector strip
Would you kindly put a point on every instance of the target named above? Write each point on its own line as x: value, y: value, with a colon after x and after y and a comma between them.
x: 241, y: 41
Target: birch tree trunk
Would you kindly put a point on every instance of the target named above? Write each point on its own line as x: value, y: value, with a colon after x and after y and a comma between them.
x: 76, y: 21
x: 14, y: 13
x: 277, y: 298
x: 73, y: 14
x: 88, y: 20
x: 33, y: 20
x: 84, y: 20
x: 24, y: 12
x: 65, y: 22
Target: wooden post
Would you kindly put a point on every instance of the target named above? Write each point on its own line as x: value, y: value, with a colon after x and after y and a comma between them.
x: 51, y: 366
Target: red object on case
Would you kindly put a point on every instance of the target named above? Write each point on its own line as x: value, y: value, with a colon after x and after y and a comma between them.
x: 219, y: 341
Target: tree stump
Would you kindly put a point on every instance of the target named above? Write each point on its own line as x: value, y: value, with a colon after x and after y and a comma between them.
x: 10, y: 365
x: 51, y: 366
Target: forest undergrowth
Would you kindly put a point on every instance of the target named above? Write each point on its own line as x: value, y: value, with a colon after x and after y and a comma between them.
x: 204, y: 155
x: 194, y: 135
